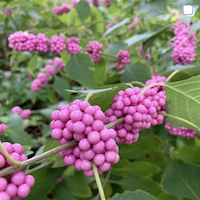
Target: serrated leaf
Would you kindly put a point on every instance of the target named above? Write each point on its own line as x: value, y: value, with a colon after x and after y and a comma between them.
x: 15, y: 121
x: 195, y: 27
x: 20, y: 136
x: 45, y: 181
x: 77, y: 186
x: 32, y: 65
x: 133, y: 182
x: 83, y: 9
x: 144, y: 36
x: 137, y: 195
x: 122, y: 23
x: 100, y: 71
x: 114, y: 48
x: 137, y: 167
x: 181, y: 180
x: 136, y: 72
x: 60, y: 84
x: 78, y: 68
x: 61, y: 192
x: 104, y: 98
x: 183, y: 103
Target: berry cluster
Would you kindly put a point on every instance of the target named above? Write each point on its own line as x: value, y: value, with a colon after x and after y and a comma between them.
x: 107, y: 3
x: 148, y: 56
x: 59, y: 10
x: 2, y: 128
x: 84, y: 123
x: 20, y: 41
x: 74, y: 3
x: 72, y: 46
x: 95, y: 3
x: 43, y: 78
x: 139, y: 110
x: 25, y: 114
x: 134, y: 23
x: 18, y: 185
x: 57, y: 44
x: 180, y: 131
x: 184, y: 44
x: 123, y: 59
x: 8, y: 12
x: 94, y: 49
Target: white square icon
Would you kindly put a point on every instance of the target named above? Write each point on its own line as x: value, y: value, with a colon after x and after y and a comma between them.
x: 187, y: 10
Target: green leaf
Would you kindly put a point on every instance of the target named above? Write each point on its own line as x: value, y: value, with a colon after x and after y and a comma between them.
x: 137, y: 167
x: 60, y: 84
x: 32, y: 65
x: 122, y: 23
x: 4, y: 96
x: 136, y: 72
x: 33, y: 14
x: 15, y: 121
x: 78, y: 68
x: 133, y: 182
x: 61, y: 192
x: 183, y: 73
x: 183, y: 102
x: 18, y: 135
x: 51, y: 96
x: 137, y: 195
x: 59, y: 162
x: 77, y: 186
x: 188, y: 154
x: 100, y: 71
x: 45, y: 181
x: 195, y: 27
x: 153, y: 8
x: 83, y: 10
x: 182, y: 180
x: 104, y: 98
x: 65, y: 57
x: 166, y: 196
x: 12, y: 58
x: 51, y: 145
x: 144, y: 36
x: 114, y: 48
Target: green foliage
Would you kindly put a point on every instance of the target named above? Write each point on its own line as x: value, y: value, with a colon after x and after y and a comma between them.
x: 181, y: 180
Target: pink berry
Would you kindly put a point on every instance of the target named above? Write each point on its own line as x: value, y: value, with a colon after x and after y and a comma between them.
x: 11, y: 189
x: 23, y: 191
x: 18, y: 178
x: 93, y: 137
x: 69, y: 160
x: 84, y: 144
x: 79, y: 127
x: 3, y: 184
x: 99, y: 159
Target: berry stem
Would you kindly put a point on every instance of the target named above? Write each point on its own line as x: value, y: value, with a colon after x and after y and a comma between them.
x: 118, y: 121
x: 181, y: 119
x: 13, y: 169
x: 88, y: 96
x: 130, y: 85
x: 150, y: 86
x: 7, y: 155
x: 171, y: 75
x: 98, y: 181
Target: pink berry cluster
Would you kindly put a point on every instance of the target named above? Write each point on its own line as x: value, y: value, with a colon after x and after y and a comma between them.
x: 20, y: 41
x: 95, y: 3
x: 123, y: 59
x: 148, y: 55
x: 180, y: 131
x: 50, y: 71
x: 59, y: 10
x: 72, y: 46
x: 184, y: 45
x: 139, y: 110
x: 2, y: 128
x: 84, y: 123
x: 18, y: 185
x: 74, y: 3
x: 8, y: 12
x: 57, y: 44
x: 94, y: 49
x: 107, y: 3
x: 134, y: 23
x: 25, y: 114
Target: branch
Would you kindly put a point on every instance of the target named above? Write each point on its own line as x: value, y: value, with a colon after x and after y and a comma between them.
x: 13, y: 169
